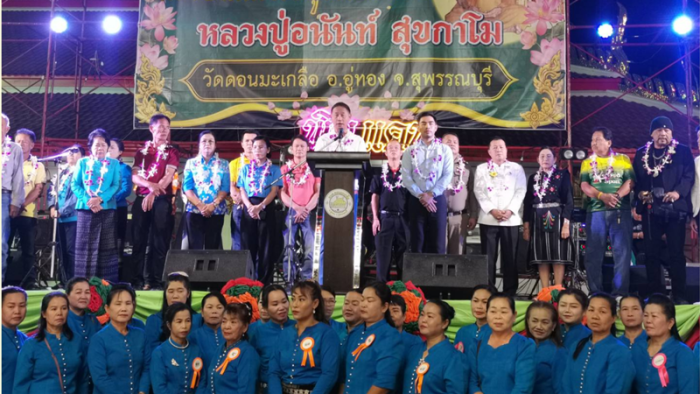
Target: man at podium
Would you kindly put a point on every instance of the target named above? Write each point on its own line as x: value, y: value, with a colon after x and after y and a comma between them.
x: 341, y: 139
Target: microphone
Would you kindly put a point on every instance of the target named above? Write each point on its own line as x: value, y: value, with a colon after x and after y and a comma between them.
x: 55, y: 157
x: 340, y: 134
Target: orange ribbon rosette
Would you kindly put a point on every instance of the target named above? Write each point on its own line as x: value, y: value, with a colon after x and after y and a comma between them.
x: 421, y: 371
x: 307, y: 345
x: 232, y: 355
x: 368, y: 342
x: 197, y: 366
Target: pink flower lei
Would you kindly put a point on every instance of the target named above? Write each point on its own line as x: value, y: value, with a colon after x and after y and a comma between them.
x: 541, y: 189
x: 597, y: 177
x: 666, y: 160
x: 304, y: 176
x: 414, y: 159
x: 253, y: 169
x: 100, y: 179
x: 385, y: 180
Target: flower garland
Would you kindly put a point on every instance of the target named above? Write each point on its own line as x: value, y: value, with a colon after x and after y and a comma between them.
x: 99, y: 289
x: 160, y: 154
x: 667, y: 158
x: 597, y: 177
x: 414, y: 159
x: 200, y: 175
x: 385, y: 181
x: 66, y: 176
x: 253, y: 170
x: 415, y: 300
x: 35, y: 166
x: 541, y: 189
x: 493, y: 174
x: 103, y: 170
x: 243, y: 290
x: 6, y: 152
x: 459, y: 185
x: 304, y: 176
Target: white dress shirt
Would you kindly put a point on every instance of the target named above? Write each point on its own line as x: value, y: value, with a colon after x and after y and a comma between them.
x: 349, y: 143
x: 695, y: 193
x: 435, y: 167
x: 504, y: 191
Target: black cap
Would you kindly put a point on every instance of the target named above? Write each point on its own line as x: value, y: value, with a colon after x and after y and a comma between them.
x: 660, y: 122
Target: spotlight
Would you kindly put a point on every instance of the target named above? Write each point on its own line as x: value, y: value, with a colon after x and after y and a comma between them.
x: 59, y: 24
x: 112, y: 24
x: 682, y: 25
x: 573, y: 154
x: 581, y: 154
x: 605, y: 30
x: 567, y: 154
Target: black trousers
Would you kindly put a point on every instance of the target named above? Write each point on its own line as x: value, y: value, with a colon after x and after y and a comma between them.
x: 66, y: 246
x: 390, y: 241
x: 25, y: 228
x: 255, y: 237
x: 203, y: 232
x: 428, y: 229
x: 507, y: 236
x: 151, y: 229
x: 654, y: 229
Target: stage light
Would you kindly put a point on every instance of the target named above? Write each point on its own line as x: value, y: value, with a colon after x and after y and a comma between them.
x: 59, y: 24
x: 567, y: 154
x: 605, y: 30
x: 682, y: 25
x: 581, y: 154
x: 112, y: 24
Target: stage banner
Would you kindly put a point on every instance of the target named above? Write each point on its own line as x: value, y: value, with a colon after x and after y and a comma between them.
x: 277, y: 63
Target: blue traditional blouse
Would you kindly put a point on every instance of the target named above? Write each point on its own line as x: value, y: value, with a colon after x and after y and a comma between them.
x: 254, y: 182
x: 86, y: 182
x: 341, y: 329
x: 681, y: 366
x: 84, y: 327
x: 447, y: 369
x: 209, y: 342
x: 119, y: 364
x: 12, y: 341
x: 642, y: 338
x: 605, y: 367
x: 312, y: 358
x: 207, y: 179
x: 125, y: 185
x: 240, y: 375
x: 373, y: 357
x: 571, y: 337
x: 509, y: 368
x: 409, y: 339
x: 172, y: 368
x: 549, y: 370
x: 467, y: 336
x: 37, y: 371
x: 154, y: 327
x: 265, y: 343
x: 62, y: 195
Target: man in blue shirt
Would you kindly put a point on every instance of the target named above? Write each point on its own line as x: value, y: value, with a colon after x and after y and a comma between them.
x: 427, y: 168
x: 14, y: 309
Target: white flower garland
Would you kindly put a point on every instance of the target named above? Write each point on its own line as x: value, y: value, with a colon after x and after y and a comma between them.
x: 491, y: 186
x: 6, y: 152
x: 667, y: 158
x: 35, y: 166
x: 414, y: 159
x: 386, y: 183
x: 160, y: 154
x: 304, y: 176
x: 541, y: 190
x: 597, y: 177
x: 253, y: 167
x: 459, y: 185
x: 100, y: 179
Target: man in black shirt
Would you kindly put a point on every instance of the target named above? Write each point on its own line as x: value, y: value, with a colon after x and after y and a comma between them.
x: 388, y: 203
x: 665, y: 177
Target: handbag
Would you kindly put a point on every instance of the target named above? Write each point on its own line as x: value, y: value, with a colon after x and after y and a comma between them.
x: 58, y: 368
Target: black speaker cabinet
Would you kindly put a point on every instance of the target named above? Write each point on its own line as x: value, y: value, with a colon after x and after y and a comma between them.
x: 208, y: 269
x: 445, y: 276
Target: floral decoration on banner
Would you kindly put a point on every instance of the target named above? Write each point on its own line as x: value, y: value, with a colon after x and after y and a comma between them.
x: 415, y: 301
x: 244, y: 290
x: 99, y: 289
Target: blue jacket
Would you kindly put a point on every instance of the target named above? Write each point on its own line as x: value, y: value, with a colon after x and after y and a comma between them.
x: 447, y: 373
x: 172, y: 369
x: 240, y: 375
x: 84, y: 327
x: 62, y: 194
x: 467, y: 336
x: 125, y: 185
x: 209, y: 342
x: 641, y: 339
x: 506, y: 369
x: 12, y: 342
x: 154, y: 327
x: 549, y: 368
x: 265, y: 343
x: 681, y: 366
x: 570, y: 338
x: 85, y: 184
x: 119, y: 364
x: 603, y: 368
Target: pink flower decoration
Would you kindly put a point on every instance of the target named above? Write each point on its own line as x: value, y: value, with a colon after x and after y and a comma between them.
x: 270, y: 105
x: 549, y: 49
x: 151, y: 53
x: 160, y: 18
x: 406, y: 115
x: 395, y: 105
x: 304, y: 95
x: 420, y: 105
x: 528, y: 39
x: 377, y: 113
x: 296, y: 105
x: 543, y: 13
x: 387, y: 94
x: 285, y: 115
x: 169, y: 44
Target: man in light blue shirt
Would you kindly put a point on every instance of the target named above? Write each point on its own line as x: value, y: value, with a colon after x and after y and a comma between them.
x: 427, y: 167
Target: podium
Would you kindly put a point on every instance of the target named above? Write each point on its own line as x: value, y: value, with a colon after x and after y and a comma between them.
x: 342, y: 234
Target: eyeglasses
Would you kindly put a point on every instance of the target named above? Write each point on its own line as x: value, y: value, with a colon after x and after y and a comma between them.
x: 329, y: 300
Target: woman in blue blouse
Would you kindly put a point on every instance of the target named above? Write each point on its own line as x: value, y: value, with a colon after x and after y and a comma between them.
x: 116, y: 148
x: 505, y: 362
x: 53, y: 349
x: 14, y: 310
x: 631, y: 315
x: 235, y: 368
x: 600, y: 363
x: 118, y: 361
x: 307, y: 355
x: 373, y: 353
x: 177, y: 289
x: 275, y: 301
x: 541, y: 324
x: 663, y: 352
x: 95, y: 184
x: 209, y: 337
x: 206, y: 185
x: 435, y: 367
x: 467, y: 336
x: 177, y: 365
x: 83, y: 324
x: 572, y: 306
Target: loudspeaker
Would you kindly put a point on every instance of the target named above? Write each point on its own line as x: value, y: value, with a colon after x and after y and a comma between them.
x: 445, y: 276
x: 208, y: 269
